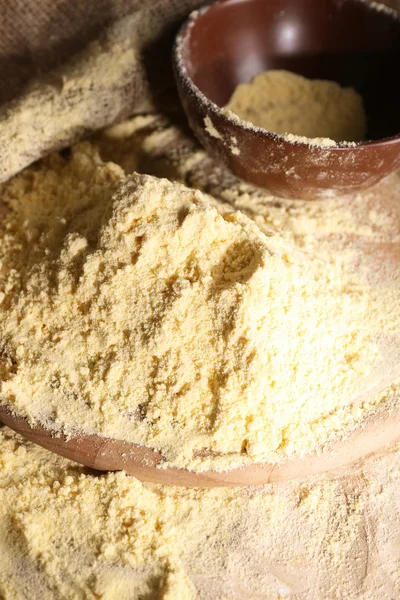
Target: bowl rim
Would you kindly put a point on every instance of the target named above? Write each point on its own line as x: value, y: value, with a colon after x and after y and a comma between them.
x: 242, y: 124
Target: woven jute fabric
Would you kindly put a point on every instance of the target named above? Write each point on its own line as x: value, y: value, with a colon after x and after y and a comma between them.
x: 38, y: 35
x: 70, y: 67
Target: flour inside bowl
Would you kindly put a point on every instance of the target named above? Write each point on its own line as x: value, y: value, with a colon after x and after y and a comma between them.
x: 312, y: 111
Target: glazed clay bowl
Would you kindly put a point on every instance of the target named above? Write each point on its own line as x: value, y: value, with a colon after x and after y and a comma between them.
x: 346, y: 41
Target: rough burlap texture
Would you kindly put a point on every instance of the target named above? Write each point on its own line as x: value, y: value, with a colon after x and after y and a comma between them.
x: 70, y: 67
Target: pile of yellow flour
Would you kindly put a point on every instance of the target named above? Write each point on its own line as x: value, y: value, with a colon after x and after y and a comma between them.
x: 133, y: 308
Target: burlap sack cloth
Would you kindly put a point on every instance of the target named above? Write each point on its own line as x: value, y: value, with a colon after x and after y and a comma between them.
x: 70, y: 67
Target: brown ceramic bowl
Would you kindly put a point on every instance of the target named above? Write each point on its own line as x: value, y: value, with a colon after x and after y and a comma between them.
x: 343, y: 40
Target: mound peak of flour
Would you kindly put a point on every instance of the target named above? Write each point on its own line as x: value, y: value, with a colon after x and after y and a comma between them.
x: 143, y: 313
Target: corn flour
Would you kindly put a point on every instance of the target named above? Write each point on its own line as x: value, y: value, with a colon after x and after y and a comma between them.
x: 134, y: 309
x: 313, y: 111
x: 67, y: 532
